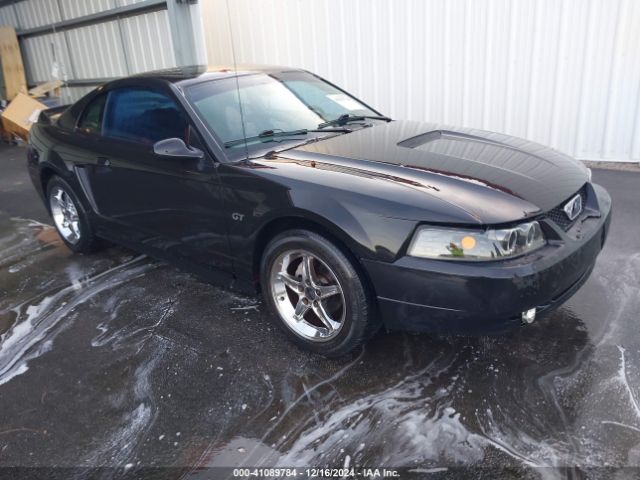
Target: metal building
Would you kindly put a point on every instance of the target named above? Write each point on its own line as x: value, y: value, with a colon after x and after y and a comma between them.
x: 87, y: 42
x: 565, y: 73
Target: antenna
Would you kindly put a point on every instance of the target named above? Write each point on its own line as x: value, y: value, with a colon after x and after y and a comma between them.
x: 235, y: 69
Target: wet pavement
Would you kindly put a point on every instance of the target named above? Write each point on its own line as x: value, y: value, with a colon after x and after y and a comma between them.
x: 122, y: 362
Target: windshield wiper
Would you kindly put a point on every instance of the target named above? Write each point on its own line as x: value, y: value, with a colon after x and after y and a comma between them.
x: 269, y: 135
x: 347, y: 117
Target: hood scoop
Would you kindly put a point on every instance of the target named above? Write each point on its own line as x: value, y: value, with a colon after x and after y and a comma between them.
x: 461, y: 145
x: 433, y: 135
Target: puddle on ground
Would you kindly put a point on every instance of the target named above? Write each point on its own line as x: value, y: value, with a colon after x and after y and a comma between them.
x: 117, y: 360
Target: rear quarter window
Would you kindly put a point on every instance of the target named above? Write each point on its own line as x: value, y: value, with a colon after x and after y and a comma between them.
x: 91, y: 119
x: 67, y: 120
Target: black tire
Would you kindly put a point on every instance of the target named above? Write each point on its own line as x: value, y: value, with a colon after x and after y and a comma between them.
x: 88, y: 242
x: 359, y: 322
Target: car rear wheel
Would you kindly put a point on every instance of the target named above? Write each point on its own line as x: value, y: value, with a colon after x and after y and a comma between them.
x: 70, y: 217
x: 316, y: 294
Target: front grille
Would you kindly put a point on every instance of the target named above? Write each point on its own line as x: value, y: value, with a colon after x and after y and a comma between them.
x: 560, y: 218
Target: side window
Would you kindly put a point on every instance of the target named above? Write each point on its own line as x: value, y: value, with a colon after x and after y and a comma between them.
x: 143, y: 116
x: 91, y: 120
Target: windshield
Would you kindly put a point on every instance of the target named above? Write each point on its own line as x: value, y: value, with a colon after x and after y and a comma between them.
x: 278, y: 102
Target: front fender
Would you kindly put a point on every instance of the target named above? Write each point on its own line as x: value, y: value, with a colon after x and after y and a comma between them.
x: 255, y: 203
x: 366, y: 232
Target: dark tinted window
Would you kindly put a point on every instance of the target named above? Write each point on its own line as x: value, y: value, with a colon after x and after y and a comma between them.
x: 91, y: 120
x: 143, y: 116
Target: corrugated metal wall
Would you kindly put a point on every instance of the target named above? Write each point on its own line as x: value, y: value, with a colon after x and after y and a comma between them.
x: 109, y: 49
x: 565, y: 73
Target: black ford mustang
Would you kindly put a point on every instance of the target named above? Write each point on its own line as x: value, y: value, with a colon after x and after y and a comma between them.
x: 276, y: 180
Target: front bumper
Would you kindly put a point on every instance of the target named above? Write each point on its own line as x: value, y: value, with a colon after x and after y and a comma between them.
x: 488, y: 297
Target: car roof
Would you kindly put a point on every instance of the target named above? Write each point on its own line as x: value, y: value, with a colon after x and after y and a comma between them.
x: 181, y: 77
x: 184, y: 76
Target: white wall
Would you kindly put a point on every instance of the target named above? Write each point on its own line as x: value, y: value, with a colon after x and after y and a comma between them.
x: 565, y: 73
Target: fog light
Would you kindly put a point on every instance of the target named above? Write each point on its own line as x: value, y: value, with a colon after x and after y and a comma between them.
x: 529, y: 316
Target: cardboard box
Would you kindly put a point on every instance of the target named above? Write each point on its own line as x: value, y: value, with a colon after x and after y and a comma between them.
x: 21, y: 113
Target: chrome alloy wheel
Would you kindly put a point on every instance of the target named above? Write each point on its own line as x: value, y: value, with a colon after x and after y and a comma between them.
x: 308, y: 295
x: 65, y: 215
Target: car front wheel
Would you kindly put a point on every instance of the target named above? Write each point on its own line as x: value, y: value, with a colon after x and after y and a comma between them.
x: 316, y: 294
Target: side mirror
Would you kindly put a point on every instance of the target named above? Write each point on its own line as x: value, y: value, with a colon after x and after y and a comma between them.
x: 176, y: 148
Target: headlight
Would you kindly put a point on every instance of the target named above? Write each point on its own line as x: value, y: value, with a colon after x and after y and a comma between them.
x: 475, y: 245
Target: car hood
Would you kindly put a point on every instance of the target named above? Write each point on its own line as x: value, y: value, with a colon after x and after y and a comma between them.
x: 493, y: 177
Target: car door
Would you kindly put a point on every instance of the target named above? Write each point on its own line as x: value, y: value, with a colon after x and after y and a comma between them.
x: 168, y: 205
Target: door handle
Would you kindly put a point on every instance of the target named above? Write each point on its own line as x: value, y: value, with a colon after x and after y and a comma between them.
x: 103, y: 161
